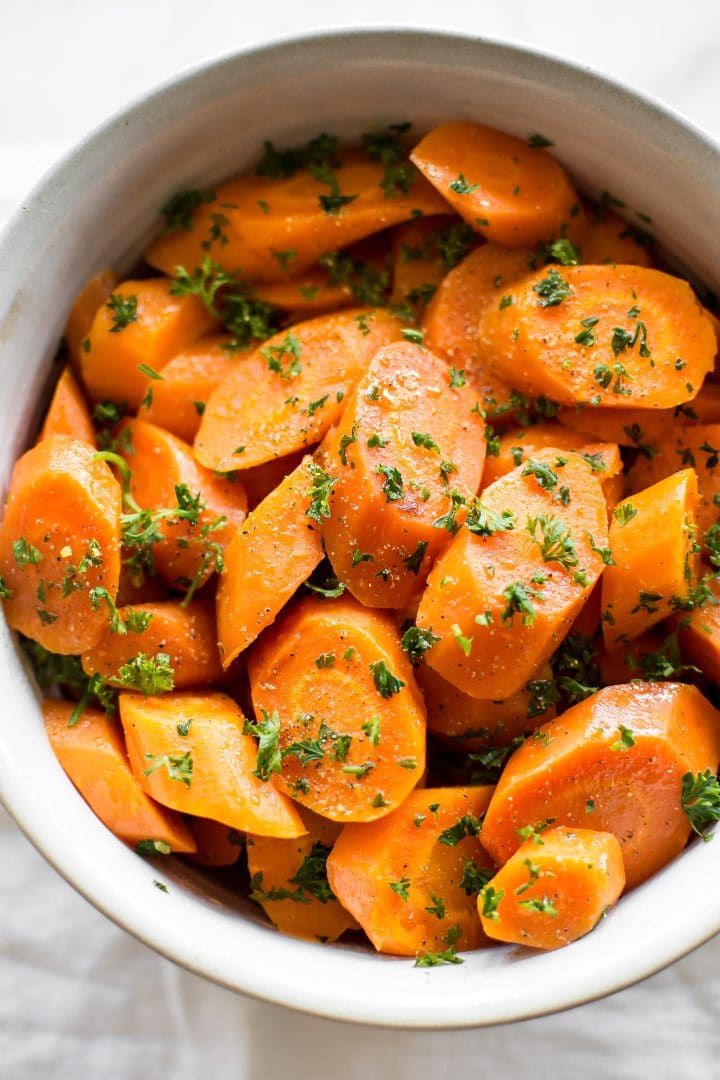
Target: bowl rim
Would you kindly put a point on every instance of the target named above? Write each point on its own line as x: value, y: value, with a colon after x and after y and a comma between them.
x: 332, y: 1002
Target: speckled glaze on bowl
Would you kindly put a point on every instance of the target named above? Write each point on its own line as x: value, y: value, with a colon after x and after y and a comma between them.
x: 98, y: 208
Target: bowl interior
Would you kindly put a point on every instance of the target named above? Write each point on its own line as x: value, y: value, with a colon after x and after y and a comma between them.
x: 99, y: 208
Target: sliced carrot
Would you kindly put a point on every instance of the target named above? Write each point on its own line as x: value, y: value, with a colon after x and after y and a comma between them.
x: 160, y: 463
x: 60, y: 545
x: 549, y: 894
x: 510, y: 192
x: 289, y: 880
x: 645, y: 429
x: 407, y: 444
x: 655, y: 562
x: 286, y: 395
x: 140, y: 328
x: 618, y: 336
x: 137, y: 589
x: 189, y: 752
x: 518, y: 444
x: 641, y: 659
x: 615, y: 761
x: 695, y: 447
x: 217, y: 845
x: 268, y: 559
x: 309, y: 294
x: 603, y: 237
x: 450, y: 323
x: 505, y: 592
x: 83, y: 312
x: 411, y: 879
x: 178, y: 400
x: 699, y: 634
x: 92, y: 753
x: 333, y: 677
x: 186, y: 634
x: 420, y: 256
x: 268, y: 229
x: 68, y: 413
x: 473, y: 724
x: 261, y: 481
x: 587, y: 621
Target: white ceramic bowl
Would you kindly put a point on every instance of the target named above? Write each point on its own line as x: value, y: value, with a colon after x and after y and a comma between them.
x: 99, y: 207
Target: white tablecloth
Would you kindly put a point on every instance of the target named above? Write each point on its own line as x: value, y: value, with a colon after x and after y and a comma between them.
x: 78, y: 997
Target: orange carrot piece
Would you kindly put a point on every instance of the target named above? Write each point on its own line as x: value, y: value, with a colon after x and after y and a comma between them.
x: 645, y: 429
x: 510, y: 192
x: 651, y: 346
x: 587, y: 621
x: 518, y: 444
x: 178, y: 400
x: 615, y: 761
x: 473, y: 724
x: 407, y: 442
x: 93, y: 755
x: 288, y: 879
x: 268, y: 230
x: 603, y: 237
x: 309, y: 294
x: 501, y: 603
x: 287, y: 394
x: 133, y: 590
x: 652, y: 540
x: 217, y: 845
x: 59, y: 542
x: 140, y: 328
x: 83, y: 312
x: 410, y: 879
x: 68, y: 413
x: 351, y: 718
x: 699, y: 634
x: 635, y: 660
x: 419, y: 257
x: 549, y: 894
x: 450, y: 323
x: 207, y: 772
x: 268, y: 559
x: 695, y: 447
x: 261, y: 480
x: 160, y: 462
x: 186, y: 634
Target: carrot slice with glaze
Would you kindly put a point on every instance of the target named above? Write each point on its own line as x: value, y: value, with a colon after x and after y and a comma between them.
x: 217, y: 845
x: 408, y: 441
x: 186, y: 635
x: 140, y: 328
x: 615, y: 761
x: 93, y: 755
x: 82, y: 314
x: 287, y: 394
x: 60, y: 545
x: 555, y: 890
x: 618, y: 336
x: 516, y: 445
x: 270, y: 229
x: 411, y: 879
x: 289, y: 880
x: 332, y: 676
x: 509, y: 191
x: 271, y: 555
x: 188, y: 752
x: 505, y: 592
x: 655, y: 561
x: 68, y: 412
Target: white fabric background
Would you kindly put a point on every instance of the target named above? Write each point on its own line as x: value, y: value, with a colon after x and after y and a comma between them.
x: 78, y: 997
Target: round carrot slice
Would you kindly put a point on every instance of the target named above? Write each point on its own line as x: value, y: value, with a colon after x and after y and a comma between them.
x: 217, y: 845
x: 288, y: 393
x: 618, y: 336
x: 408, y: 445
x: 187, y: 635
x: 82, y: 314
x: 614, y: 761
x: 68, y: 413
x: 511, y: 192
x: 518, y: 444
x: 411, y: 879
x: 60, y: 545
x: 288, y: 878
x: 554, y: 889
x: 333, y: 683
